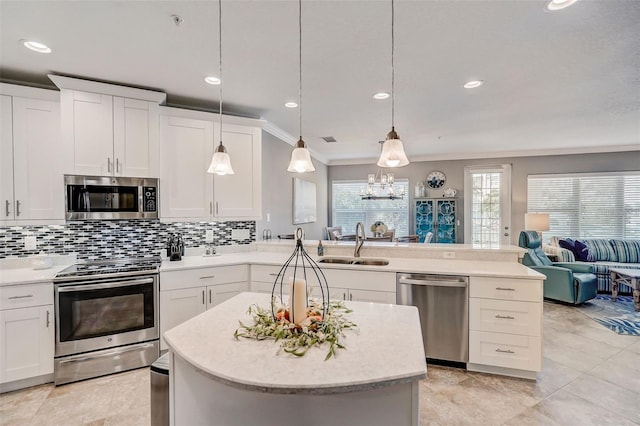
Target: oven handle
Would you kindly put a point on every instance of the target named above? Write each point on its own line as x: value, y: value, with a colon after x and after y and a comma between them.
x: 116, y: 352
x: 86, y: 287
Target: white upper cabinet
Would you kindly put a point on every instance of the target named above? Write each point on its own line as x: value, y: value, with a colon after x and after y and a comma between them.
x: 239, y: 195
x: 111, y: 130
x: 31, y: 156
x: 187, y: 142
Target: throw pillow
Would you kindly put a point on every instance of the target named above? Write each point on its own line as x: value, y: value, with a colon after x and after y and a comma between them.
x: 568, y: 244
x: 582, y: 252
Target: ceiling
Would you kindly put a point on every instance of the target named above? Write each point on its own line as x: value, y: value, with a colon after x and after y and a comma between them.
x: 555, y: 82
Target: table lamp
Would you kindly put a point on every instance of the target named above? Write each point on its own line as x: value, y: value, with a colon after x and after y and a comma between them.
x: 536, y: 222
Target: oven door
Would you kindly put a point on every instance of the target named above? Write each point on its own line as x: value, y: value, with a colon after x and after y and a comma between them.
x: 100, y: 314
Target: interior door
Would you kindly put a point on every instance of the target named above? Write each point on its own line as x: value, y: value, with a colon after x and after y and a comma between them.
x: 487, y: 201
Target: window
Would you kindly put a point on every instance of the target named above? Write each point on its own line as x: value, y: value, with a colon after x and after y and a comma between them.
x: 348, y: 208
x: 594, y: 205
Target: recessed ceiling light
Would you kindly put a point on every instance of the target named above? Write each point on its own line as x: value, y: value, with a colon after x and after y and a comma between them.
x: 473, y: 84
x: 36, y: 46
x: 559, y: 4
x: 212, y: 80
x: 381, y: 95
x: 291, y: 104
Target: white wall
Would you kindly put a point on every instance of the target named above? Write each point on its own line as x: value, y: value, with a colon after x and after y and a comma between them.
x: 277, y: 192
x: 521, y: 168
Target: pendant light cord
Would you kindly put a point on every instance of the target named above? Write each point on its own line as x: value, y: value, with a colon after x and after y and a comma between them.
x: 300, y: 66
x: 220, y: 47
x: 393, y: 74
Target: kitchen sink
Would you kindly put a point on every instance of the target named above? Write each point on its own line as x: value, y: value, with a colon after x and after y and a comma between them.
x: 376, y: 262
x: 341, y: 260
x: 354, y: 261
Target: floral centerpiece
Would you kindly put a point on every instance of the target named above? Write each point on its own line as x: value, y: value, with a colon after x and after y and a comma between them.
x: 305, y: 322
x: 378, y: 228
x: 314, y: 330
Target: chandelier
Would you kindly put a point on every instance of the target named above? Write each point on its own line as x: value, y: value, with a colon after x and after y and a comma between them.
x: 377, y: 184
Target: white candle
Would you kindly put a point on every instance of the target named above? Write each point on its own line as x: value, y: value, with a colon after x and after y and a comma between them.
x: 297, y: 300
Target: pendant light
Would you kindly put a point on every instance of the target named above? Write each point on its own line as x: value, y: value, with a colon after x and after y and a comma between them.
x: 220, y: 162
x: 300, y: 158
x: 392, y: 150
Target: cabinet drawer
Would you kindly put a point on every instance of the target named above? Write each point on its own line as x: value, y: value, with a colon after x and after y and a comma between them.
x: 203, y: 277
x: 263, y: 287
x: 264, y: 273
x: 505, y: 350
x: 505, y: 316
x: 22, y: 296
x: 506, y: 289
x: 360, y: 280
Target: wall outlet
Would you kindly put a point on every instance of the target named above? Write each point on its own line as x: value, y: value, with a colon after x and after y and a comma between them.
x: 449, y: 254
x: 208, y: 236
x: 240, y: 234
x: 30, y: 242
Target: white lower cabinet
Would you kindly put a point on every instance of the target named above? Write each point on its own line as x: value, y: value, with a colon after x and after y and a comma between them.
x: 26, y: 332
x: 344, y: 284
x: 187, y: 293
x: 505, y: 325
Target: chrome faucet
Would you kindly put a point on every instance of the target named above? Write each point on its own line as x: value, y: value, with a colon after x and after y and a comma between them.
x: 360, y: 237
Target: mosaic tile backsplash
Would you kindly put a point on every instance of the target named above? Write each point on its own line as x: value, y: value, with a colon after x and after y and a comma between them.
x: 108, y: 239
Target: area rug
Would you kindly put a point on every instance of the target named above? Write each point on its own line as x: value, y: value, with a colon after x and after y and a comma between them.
x: 618, y: 316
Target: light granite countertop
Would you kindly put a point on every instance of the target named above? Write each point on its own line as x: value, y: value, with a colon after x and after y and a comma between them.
x: 396, y: 264
x: 387, y: 349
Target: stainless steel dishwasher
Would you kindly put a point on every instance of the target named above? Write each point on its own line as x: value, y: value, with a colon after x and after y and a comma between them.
x: 443, y: 304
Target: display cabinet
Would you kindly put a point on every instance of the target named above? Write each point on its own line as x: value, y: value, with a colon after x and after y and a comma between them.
x: 438, y: 216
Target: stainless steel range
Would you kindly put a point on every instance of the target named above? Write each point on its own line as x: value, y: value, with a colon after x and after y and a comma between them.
x: 106, y: 318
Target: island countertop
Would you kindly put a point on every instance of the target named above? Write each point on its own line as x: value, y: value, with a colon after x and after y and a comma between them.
x: 386, y: 349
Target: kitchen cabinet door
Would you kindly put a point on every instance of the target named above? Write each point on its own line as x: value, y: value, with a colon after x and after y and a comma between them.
x: 31, y: 155
x: 89, y: 119
x: 239, y: 195
x: 6, y: 158
x: 38, y: 160
x: 186, y: 148
x: 27, y: 339
x: 135, y: 138
x: 177, y: 306
x: 220, y: 293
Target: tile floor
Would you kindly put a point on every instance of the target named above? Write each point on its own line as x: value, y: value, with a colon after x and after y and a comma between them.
x: 591, y: 376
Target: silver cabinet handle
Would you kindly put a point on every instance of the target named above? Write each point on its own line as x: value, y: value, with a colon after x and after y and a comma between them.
x: 21, y: 297
x: 344, y: 296
x: 6, y: 207
x: 48, y: 319
x: 216, y: 208
x: 210, y: 207
x: 108, y: 164
x: 350, y: 296
x: 209, y: 296
x: 203, y: 297
x: 117, y: 165
x: 273, y: 274
x: 17, y: 207
x: 505, y: 288
x: 505, y: 317
x: 508, y: 351
x: 207, y: 277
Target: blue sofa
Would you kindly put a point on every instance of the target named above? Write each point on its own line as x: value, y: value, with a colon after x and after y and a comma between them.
x: 603, y: 253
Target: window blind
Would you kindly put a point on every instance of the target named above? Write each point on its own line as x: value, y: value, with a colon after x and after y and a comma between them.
x: 594, y: 205
x: 348, y: 208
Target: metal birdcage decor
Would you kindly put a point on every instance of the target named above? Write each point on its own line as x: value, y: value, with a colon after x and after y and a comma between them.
x: 302, y: 275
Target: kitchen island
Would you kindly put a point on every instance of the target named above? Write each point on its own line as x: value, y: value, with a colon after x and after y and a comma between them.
x: 216, y: 379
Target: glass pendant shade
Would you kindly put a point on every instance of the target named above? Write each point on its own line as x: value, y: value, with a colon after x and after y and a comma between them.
x: 221, y: 162
x: 300, y: 159
x: 392, y: 152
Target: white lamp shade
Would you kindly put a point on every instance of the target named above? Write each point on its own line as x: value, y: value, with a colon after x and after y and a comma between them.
x: 300, y: 161
x: 220, y: 164
x: 393, y: 154
x: 536, y: 221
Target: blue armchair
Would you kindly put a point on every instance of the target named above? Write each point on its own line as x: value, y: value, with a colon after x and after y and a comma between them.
x: 566, y: 281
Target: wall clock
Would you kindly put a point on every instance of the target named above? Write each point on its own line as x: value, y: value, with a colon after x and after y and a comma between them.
x: 436, y: 179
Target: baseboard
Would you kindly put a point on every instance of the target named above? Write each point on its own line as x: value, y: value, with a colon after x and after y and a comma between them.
x: 511, y: 372
x: 26, y: 383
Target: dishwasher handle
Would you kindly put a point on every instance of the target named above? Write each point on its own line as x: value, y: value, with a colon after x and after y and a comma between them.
x: 432, y: 283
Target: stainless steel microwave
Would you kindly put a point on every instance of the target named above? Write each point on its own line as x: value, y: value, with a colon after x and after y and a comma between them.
x: 110, y: 197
